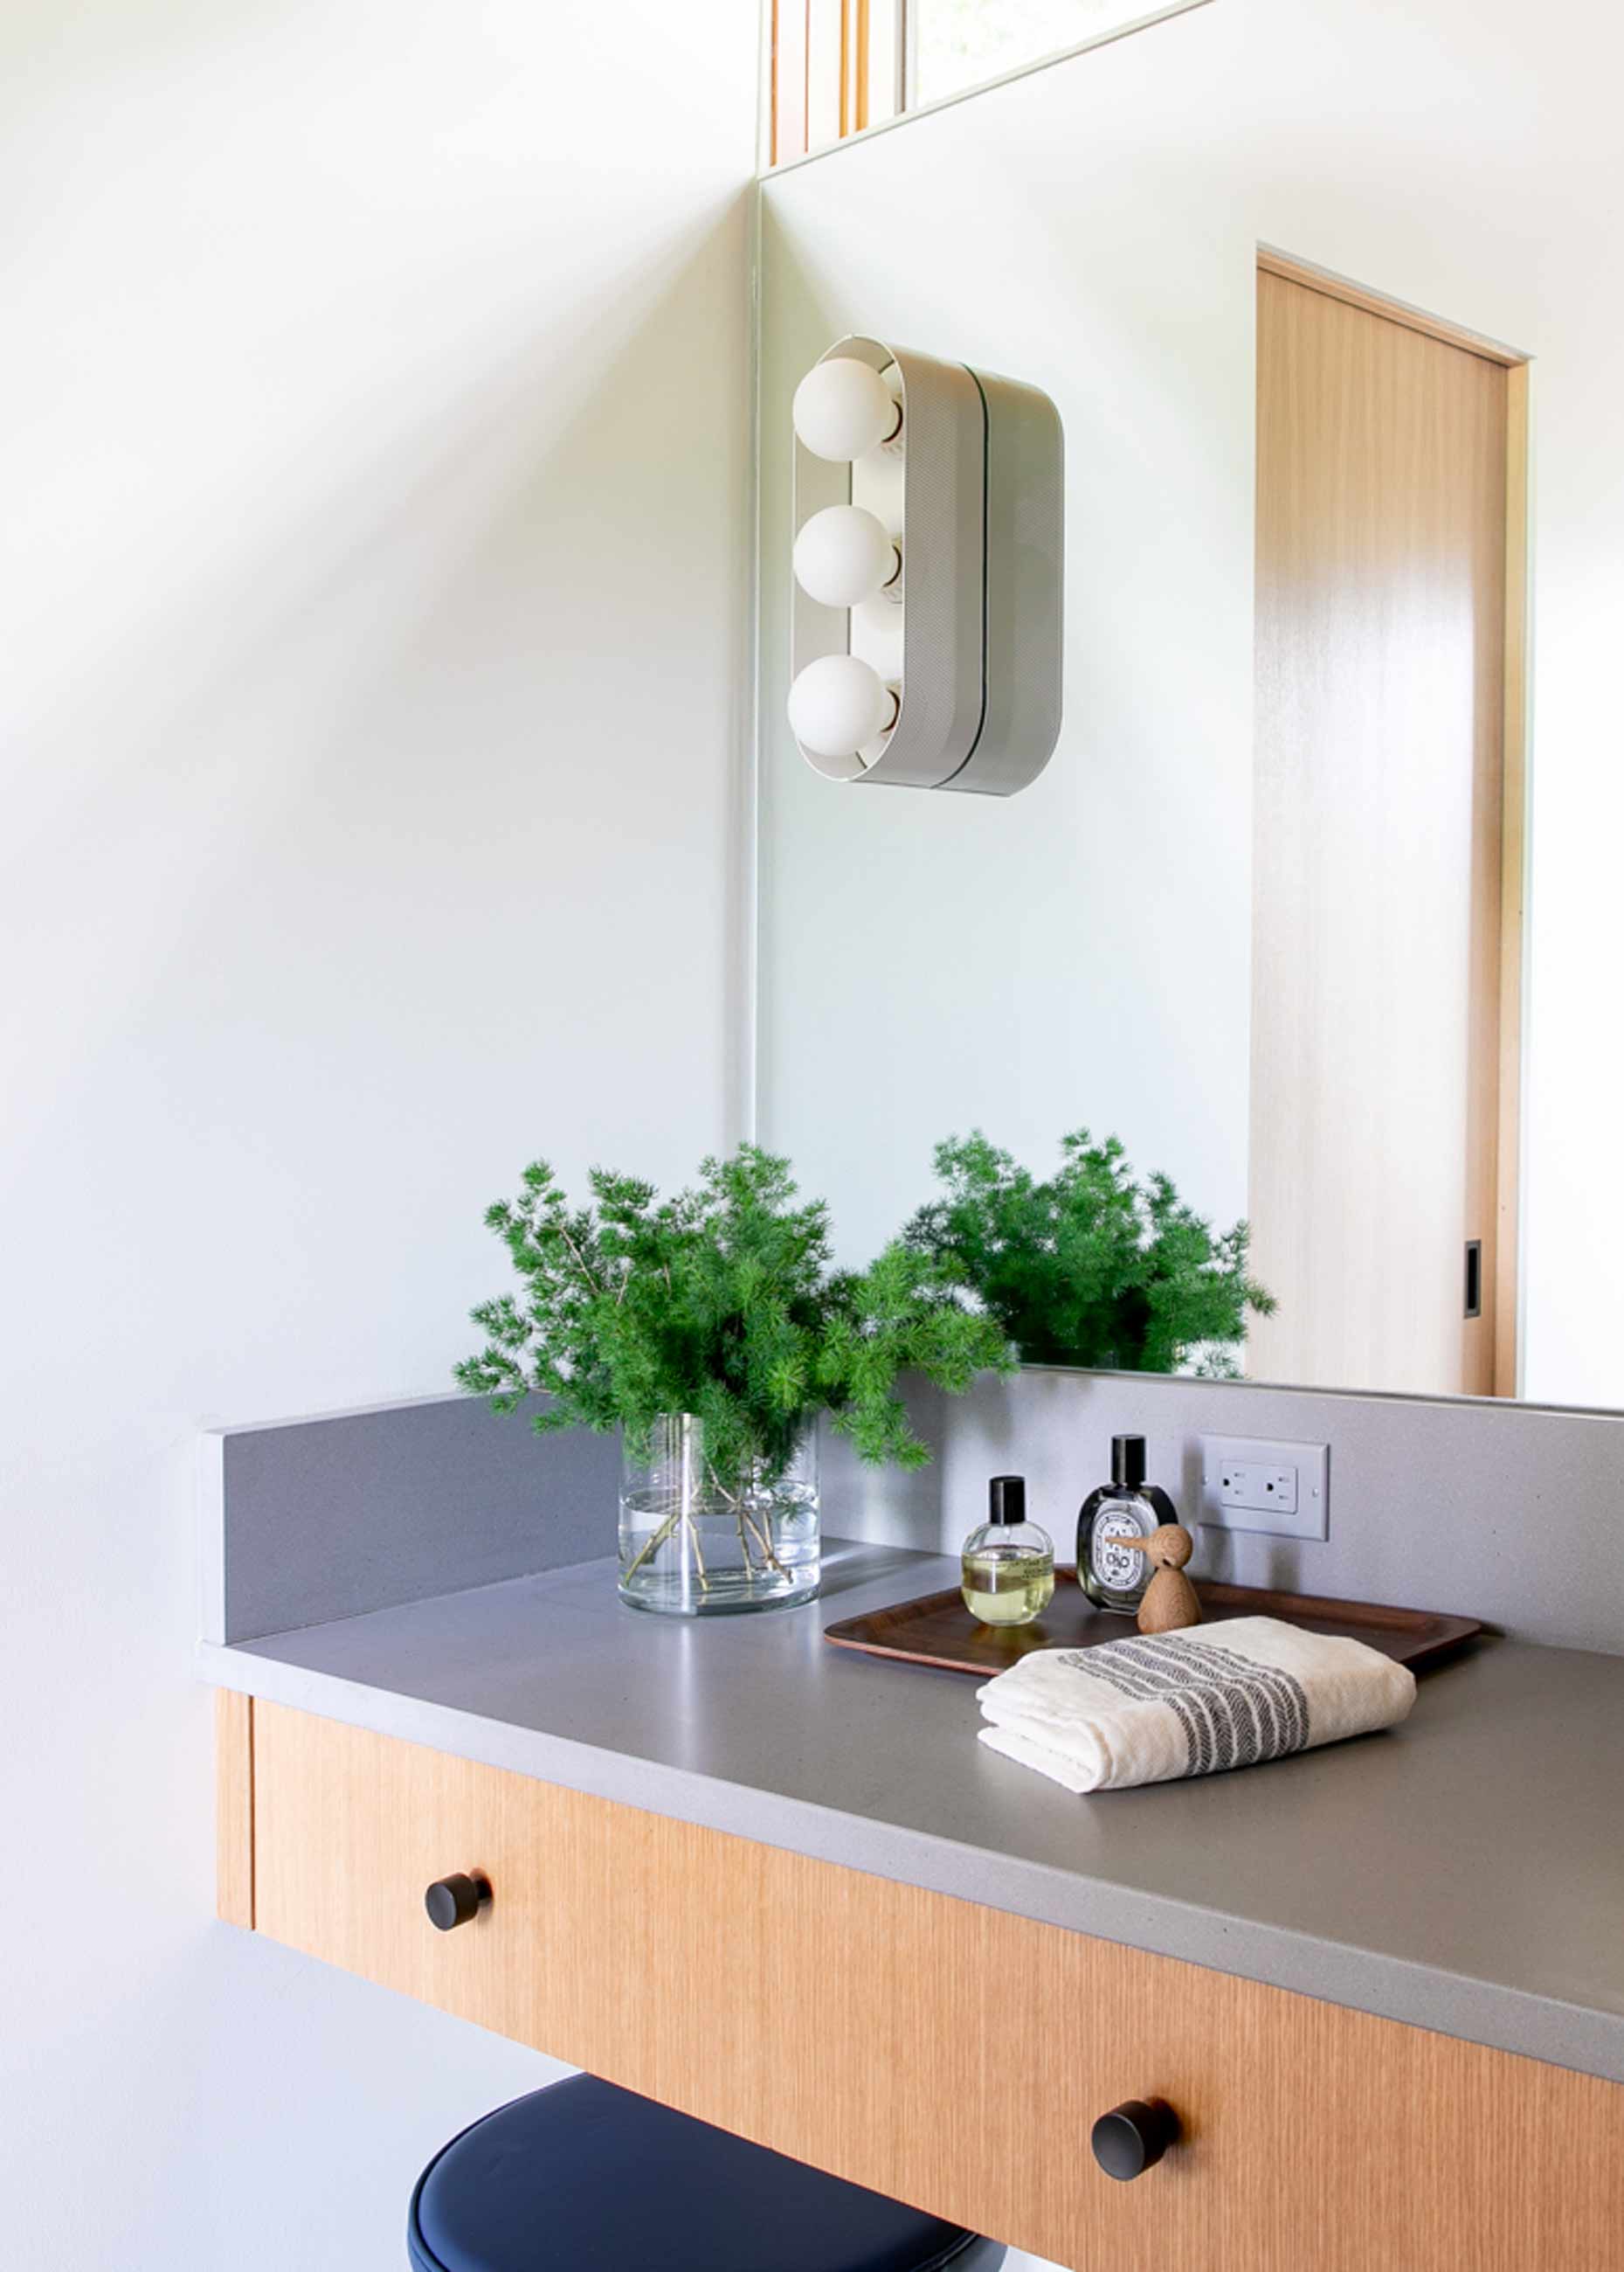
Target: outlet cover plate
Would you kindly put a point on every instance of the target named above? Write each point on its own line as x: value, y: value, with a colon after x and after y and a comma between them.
x: 1289, y: 1483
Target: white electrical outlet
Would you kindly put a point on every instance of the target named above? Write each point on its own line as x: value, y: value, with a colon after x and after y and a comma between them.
x: 1248, y: 1484
x: 1250, y: 1488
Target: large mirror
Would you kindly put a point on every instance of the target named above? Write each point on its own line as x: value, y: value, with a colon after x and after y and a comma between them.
x: 1315, y: 908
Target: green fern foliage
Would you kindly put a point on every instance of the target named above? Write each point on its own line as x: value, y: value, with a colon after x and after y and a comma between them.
x: 720, y: 1302
x: 1092, y: 1267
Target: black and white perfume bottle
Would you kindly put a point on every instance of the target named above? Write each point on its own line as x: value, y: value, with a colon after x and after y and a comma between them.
x: 1126, y: 1507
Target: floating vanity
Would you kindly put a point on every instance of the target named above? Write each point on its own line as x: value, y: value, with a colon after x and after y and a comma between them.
x: 784, y: 1888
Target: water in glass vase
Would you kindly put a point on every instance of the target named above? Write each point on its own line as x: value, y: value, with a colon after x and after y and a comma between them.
x: 697, y: 1543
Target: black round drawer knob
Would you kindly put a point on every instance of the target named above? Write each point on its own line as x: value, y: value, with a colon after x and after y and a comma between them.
x: 1133, y: 2136
x: 454, y: 1900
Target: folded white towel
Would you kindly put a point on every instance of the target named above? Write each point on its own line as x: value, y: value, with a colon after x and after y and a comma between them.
x: 1153, y: 1708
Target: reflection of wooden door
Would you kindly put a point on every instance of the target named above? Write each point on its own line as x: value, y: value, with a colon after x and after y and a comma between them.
x: 1387, y: 846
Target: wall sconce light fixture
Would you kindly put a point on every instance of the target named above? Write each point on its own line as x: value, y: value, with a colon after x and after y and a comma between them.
x: 927, y: 623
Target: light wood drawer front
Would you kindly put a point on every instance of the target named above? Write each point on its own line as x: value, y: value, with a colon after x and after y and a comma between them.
x: 950, y: 2055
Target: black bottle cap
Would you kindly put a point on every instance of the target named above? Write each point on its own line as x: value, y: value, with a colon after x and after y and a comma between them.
x: 1128, y: 1462
x: 1006, y: 1499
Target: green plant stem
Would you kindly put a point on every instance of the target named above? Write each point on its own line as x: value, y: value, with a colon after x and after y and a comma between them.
x: 719, y: 1487
x: 693, y: 1532
x: 742, y: 1516
x: 764, y: 1540
x: 744, y: 1543
x: 581, y: 1262
x: 657, y: 1539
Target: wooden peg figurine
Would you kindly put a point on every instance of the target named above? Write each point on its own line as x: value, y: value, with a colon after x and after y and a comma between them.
x: 1170, y: 1600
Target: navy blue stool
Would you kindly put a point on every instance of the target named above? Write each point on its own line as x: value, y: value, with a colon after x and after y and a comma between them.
x: 584, y: 2178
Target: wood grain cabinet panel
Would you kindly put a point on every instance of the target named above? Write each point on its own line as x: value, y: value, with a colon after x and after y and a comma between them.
x: 234, y: 1806
x: 953, y: 2056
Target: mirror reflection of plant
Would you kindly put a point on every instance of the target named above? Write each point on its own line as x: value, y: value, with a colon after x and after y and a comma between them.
x: 719, y: 1302
x: 1091, y: 1266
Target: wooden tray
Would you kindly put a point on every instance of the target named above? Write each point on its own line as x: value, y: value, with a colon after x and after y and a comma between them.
x: 938, y: 1630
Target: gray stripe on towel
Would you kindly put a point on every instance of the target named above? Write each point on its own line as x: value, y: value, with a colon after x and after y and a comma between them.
x: 1234, y: 1712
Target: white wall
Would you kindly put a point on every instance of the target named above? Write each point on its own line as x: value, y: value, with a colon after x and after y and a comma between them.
x: 1080, y: 953
x: 373, y: 448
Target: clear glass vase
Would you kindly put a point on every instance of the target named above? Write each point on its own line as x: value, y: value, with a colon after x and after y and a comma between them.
x: 692, y: 1545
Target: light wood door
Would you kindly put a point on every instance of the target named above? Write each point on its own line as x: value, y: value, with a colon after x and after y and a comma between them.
x: 1385, y: 946
x: 950, y: 2055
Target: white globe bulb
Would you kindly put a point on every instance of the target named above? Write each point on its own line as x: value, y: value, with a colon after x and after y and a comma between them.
x: 844, y: 408
x: 843, y: 555
x: 838, y: 704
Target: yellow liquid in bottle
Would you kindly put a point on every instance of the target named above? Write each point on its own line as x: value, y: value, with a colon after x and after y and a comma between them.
x: 1008, y: 1585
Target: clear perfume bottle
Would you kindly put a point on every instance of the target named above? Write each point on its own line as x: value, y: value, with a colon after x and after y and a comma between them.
x: 1126, y: 1507
x: 1007, y: 1571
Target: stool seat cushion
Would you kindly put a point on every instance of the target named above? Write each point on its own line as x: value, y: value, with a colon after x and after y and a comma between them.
x: 583, y: 2175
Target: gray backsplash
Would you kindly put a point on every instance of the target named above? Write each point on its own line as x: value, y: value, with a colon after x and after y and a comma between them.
x: 1504, y: 1512
x: 305, y: 1521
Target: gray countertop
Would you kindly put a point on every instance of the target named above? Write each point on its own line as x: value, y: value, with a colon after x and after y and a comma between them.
x: 1465, y: 1872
